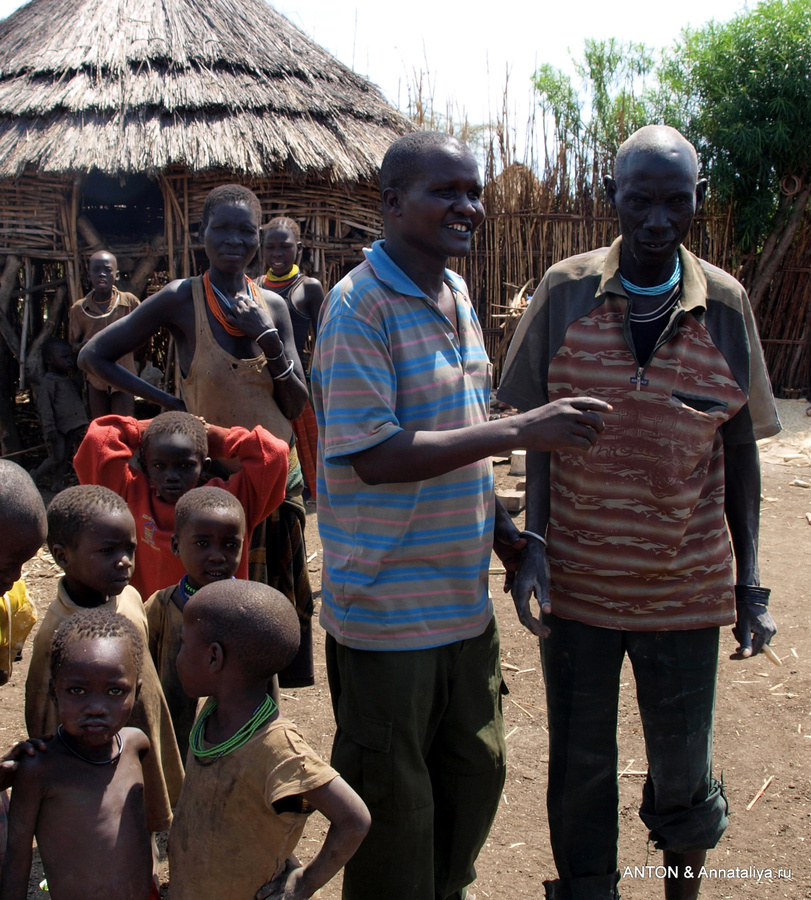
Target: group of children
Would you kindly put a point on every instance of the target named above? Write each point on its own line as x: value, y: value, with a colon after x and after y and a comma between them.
x: 117, y: 681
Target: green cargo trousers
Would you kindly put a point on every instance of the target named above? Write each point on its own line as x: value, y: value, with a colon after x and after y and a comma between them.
x: 421, y: 738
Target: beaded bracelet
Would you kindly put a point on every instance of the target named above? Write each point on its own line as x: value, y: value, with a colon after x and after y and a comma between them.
x: 287, y: 372
x: 753, y: 594
x: 532, y: 534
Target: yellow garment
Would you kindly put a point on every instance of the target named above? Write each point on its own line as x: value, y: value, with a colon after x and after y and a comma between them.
x: 17, y: 618
x: 163, y: 768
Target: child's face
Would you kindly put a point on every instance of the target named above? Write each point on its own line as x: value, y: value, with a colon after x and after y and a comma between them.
x: 173, y: 465
x: 231, y: 237
x: 194, y: 656
x: 210, y: 545
x: 61, y: 359
x: 102, y: 272
x: 100, y: 561
x: 95, y: 689
x: 16, y: 548
x: 280, y: 250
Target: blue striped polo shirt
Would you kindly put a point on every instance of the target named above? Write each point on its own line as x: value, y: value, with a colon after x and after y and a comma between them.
x: 405, y: 565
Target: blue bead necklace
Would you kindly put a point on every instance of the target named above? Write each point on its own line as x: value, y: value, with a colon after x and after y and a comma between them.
x: 674, y: 279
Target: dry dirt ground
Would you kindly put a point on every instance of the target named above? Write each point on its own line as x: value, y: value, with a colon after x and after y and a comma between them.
x: 763, y: 720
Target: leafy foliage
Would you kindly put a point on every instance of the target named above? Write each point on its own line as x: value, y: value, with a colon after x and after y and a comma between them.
x: 741, y: 91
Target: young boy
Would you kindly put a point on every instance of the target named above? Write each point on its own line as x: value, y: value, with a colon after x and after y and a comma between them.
x: 251, y: 778
x: 61, y: 411
x: 152, y: 464
x: 83, y: 798
x: 104, y: 305
x: 208, y: 539
x: 92, y: 537
x: 23, y: 526
x: 281, y: 248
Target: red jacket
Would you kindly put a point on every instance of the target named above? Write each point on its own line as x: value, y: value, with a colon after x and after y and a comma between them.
x: 104, y: 457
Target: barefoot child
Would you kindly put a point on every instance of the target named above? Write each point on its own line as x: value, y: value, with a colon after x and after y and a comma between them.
x: 281, y: 249
x: 104, y: 305
x: 251, y: 778
x: 83, y: 799
x: 152, y: 464
x: 92, y: 537
x: 61, y: 411
x: 209, y: 538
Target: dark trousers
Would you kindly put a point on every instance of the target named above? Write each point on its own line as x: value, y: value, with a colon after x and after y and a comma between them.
x: 683, y: 806
x: 421, y: 738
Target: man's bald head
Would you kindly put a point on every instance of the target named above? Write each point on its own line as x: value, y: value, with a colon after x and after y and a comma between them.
x: 656, y: 140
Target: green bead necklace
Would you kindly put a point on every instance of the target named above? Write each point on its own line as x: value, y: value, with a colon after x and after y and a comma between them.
x: 206, y: 756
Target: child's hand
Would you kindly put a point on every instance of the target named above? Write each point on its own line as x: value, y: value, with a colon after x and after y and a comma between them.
x: 288, y: 885
x: 9, y: 763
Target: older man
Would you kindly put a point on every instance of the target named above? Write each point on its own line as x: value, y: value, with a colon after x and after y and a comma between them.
x: 638, y: 557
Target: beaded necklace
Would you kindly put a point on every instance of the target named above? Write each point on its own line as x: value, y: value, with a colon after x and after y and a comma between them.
x: 93, y: 762
x: 207, y: 756
x: 216, y: 300
x: 274, y: 282
x: 671, y: 282
x: 186, y: 590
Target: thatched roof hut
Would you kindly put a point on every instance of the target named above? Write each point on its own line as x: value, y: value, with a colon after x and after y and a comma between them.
x: 118, y: 116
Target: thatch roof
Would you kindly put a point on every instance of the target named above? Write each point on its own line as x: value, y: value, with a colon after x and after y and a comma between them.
x: 139, y: 85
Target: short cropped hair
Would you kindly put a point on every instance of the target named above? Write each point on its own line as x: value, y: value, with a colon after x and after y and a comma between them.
x: 75, y: 509
x: 95, y: 623
x: 255, y: 624
x: 176, y: 422
x: 231, y: 195
x: 284, y: 223
x: 202, y: 500
x: 403, y: 161
x: 21, y: 505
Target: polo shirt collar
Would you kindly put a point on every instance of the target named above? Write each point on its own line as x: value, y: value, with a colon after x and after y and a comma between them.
x: 394, y: 277
x: 693, y: 279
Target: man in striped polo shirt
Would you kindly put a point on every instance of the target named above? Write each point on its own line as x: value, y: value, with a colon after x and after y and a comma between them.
x: 638, y: 546
x: 407, y: 514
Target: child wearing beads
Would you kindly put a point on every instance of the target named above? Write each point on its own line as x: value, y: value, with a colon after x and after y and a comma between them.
x: 208, y: 539
x: 249, y: 763
x: 152, y: 464
x: 281, y: 249
x: 91, y: 535
x: 83, y: 798
x: 104, y: 305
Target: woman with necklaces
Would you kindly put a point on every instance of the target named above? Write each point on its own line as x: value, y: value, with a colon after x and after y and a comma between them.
x: 238, y: 366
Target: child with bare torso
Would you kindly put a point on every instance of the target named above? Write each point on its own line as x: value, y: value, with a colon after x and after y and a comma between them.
x: 83, y: 799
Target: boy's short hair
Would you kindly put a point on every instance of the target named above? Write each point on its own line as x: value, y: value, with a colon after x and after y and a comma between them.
x: 95, y: 623
x: 73, y: 510
x: 175, y: 422
x: 286, y: 223
x: 403, y: 161
x: 21, y: 505
x: 230, y: 194
x: 254, y: 623
x: 205, y: 499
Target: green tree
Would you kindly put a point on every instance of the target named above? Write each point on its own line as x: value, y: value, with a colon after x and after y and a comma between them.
x: 741, y: 91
